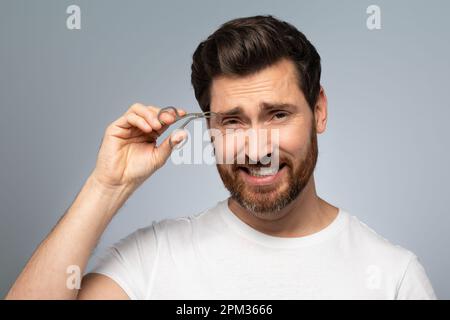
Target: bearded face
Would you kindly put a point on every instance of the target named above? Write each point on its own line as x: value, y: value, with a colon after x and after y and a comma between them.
x: 264, y: 190
x: 269, y: 99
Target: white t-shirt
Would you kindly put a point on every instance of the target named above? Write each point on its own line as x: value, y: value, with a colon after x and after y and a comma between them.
x: 215, y: 255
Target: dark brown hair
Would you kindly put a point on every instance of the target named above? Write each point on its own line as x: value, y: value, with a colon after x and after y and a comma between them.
x: 246, y: 45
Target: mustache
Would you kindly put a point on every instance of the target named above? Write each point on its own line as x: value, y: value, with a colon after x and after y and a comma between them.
x: 254, y: 165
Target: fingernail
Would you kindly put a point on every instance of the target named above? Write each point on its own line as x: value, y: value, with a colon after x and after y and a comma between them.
x: 178, y: 136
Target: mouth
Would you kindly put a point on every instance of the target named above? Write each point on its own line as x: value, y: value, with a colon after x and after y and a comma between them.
x: 262, y: 175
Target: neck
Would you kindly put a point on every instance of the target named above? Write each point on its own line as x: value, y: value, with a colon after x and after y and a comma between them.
x: 307, y: 214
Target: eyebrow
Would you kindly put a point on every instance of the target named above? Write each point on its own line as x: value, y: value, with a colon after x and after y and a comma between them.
x: 276, y: 106
x: 265, y: 106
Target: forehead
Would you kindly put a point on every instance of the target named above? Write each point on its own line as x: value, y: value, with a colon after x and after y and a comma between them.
x: 276, y: 83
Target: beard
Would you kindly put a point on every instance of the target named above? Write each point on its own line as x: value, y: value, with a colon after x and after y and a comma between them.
x: 267, y: 200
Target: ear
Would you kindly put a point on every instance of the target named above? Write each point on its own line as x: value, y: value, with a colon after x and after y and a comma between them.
x: 321, y: 111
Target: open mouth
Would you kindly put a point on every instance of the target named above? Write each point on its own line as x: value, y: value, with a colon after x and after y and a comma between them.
x: 261, y: 175
x: 261, y: 171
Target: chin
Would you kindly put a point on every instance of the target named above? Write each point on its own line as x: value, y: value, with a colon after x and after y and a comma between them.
x: 264, y: 202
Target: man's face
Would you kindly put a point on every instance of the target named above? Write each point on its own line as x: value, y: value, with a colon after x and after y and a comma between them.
x: 265, y: 102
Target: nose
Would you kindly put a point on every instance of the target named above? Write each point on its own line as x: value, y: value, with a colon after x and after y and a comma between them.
x: 261, y: 146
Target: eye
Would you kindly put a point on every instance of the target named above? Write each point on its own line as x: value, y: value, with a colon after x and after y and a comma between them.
x: 230, y: 121
x: 280, y: 115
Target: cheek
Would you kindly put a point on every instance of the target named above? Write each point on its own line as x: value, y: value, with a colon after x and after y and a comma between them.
x: 293, y: 139
x: 228, y: 147
x: 232, y: 148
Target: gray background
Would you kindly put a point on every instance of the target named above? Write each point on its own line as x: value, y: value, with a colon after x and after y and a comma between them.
x: 384, y: 156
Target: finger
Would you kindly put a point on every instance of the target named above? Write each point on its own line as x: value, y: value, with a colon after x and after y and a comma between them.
x: 158, y: 122
x: 165, y: 118
x: 168, y: 116
x: 147, y: 114
x: 138, y: 122
x: 164, y: 150
x: 122, y: 122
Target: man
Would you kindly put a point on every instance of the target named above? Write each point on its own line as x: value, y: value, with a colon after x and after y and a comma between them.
x: 273, y: 238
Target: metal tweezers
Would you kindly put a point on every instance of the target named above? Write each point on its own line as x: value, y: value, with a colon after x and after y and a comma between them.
x: 189, y: 116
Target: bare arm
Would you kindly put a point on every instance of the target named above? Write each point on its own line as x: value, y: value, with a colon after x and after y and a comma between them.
x: 127, y: 157
x: 97, y: 286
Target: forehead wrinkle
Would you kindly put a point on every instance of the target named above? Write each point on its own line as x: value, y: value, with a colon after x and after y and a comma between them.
x: 271, y: 84
x: 273, y: 81
x: 248, y: 88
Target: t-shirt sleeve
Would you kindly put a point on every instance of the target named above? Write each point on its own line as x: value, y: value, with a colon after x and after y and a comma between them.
x: 130, y: 262
x: 415, y: 284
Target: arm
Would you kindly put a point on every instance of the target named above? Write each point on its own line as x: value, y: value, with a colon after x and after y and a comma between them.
x: 127, y: 157
x: 97, y: 286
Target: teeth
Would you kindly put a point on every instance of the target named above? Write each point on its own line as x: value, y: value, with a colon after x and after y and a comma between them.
x: 263, y: 171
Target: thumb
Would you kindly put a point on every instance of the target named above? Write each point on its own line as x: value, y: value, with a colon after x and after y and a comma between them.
x: 173, y: 141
